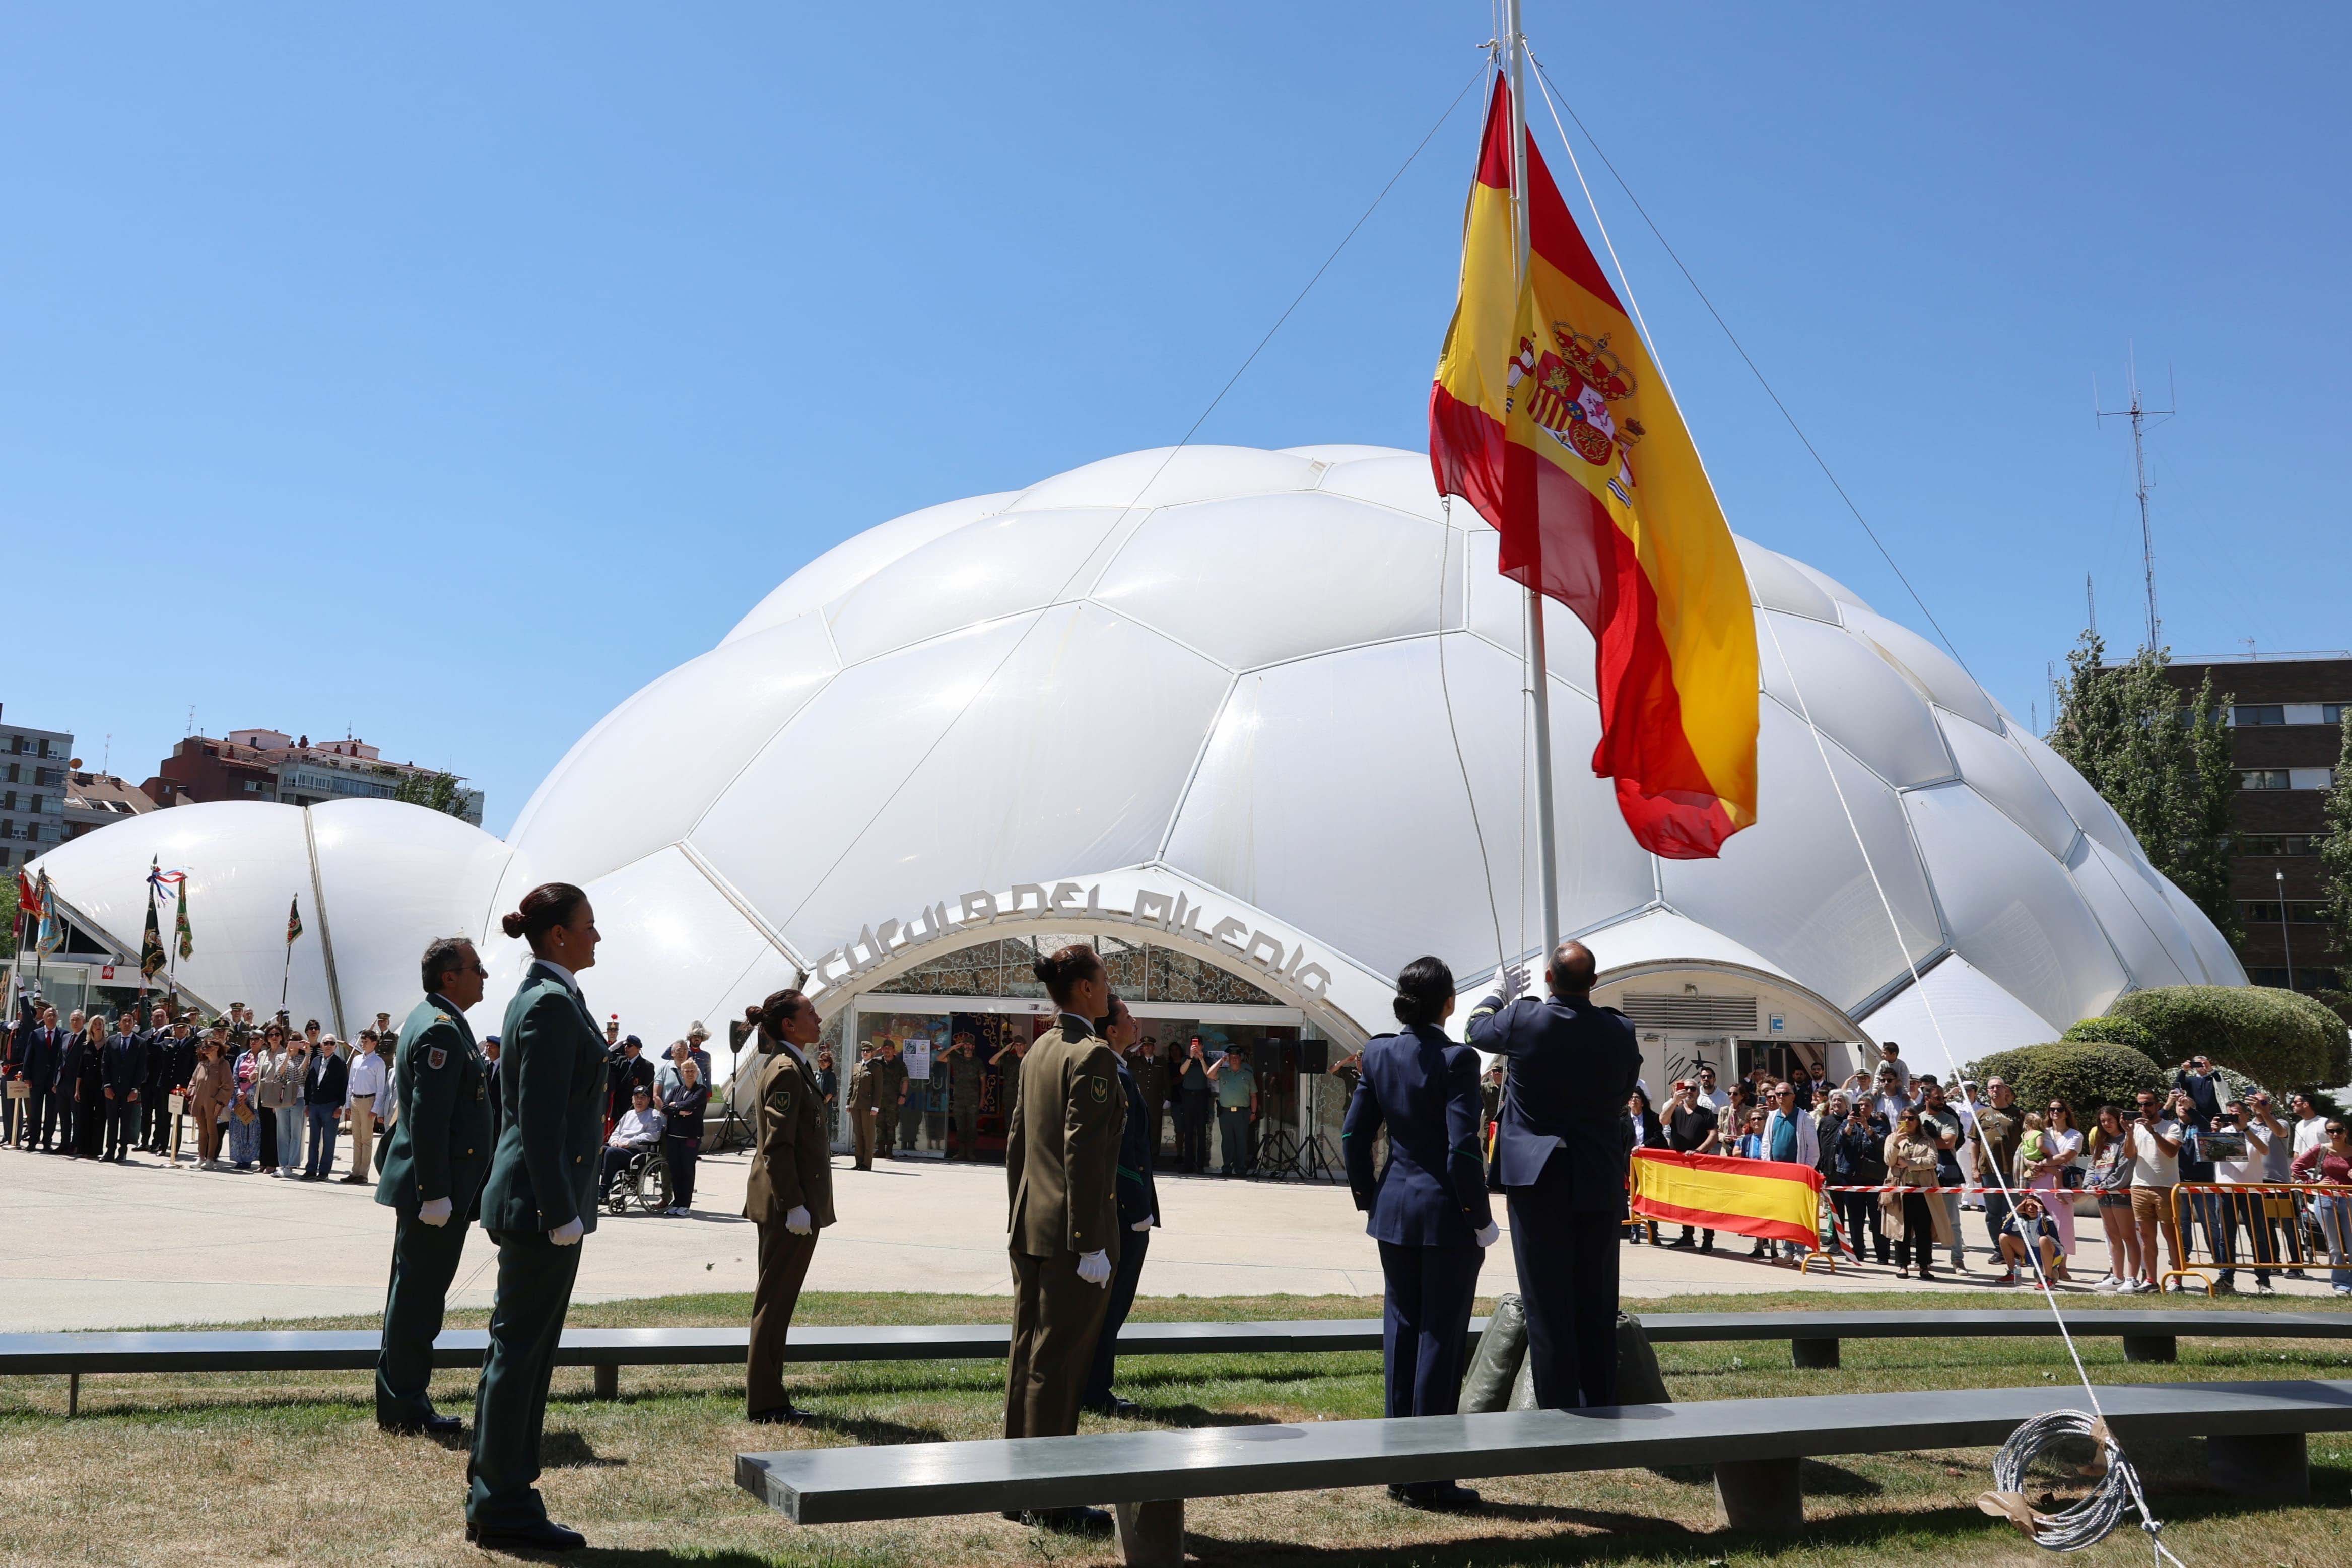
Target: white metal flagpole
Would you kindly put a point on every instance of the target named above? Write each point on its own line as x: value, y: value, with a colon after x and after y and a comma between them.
x: 1514, y: 44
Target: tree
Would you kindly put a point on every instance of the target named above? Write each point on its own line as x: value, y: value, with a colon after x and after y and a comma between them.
x: 443, y: 792
x: 2336, y: 863
x: 8, y: 917
x: 2163, y: 765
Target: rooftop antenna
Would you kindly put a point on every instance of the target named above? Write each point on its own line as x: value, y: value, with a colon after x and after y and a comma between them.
x: 192, y: 718
x: 2090, y: 604
x: 2138, y: 414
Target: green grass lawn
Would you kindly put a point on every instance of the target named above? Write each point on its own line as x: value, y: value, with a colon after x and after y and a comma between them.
x: 288, y: 1468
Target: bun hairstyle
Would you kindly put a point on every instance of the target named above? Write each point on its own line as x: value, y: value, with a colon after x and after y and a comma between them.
x: 543, y: 908
x: 1422, y: 990
x: 1065, y: 967
x: 779, y: 1006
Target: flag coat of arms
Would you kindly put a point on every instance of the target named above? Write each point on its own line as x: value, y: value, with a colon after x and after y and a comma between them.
x: 293, y: 919
x: 1549, y: 417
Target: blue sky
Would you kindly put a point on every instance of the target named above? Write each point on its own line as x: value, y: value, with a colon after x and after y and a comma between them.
x: 448, y: 374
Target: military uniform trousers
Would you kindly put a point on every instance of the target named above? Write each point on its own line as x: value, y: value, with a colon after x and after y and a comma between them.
x: 1124, y: 1276
x: 963, y: 1124
x: 1057, y: 1319
x: 1425, y: 1325
x: 534, y: 1291
x: 910, y: 1124
x: 424, y: 1263
x: 155, y: 1114
x: 784, y: 1265
x: 861, y: 1134
x: 1567, y: 1285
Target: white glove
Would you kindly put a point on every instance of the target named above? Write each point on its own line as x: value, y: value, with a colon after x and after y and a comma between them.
x: 567, y: 1234
x: 1490, y: 1235
x: 434, y: 1211
x: 1512, y: 981
x: 1094, y: 1267
x: 797, y: 1221
x: 1144, y: 1224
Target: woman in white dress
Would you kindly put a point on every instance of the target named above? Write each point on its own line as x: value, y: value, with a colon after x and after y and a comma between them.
x: 2059, y: 1149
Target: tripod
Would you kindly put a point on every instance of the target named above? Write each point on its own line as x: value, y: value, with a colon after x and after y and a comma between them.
x: 1314, y: 1160
x: 730, y: 1122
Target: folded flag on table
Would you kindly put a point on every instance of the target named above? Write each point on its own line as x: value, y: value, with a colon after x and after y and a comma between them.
x: 1778, y: 1200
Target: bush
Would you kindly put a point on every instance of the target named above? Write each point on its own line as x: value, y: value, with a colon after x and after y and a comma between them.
x: 2274, y: 1036
x: 2086, y: 1074
x: 2116, y: 1031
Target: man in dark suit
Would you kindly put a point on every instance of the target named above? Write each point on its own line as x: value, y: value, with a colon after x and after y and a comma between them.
x: 122, y: 1073
x: 325, y: 1078
x: 75, y: 1049
x: 1061, y: 1166
x: 1139, y: 1211
x: 154, y: 1089
x: 1562, y: 1153
x: 43, y: 1049
x: 628, y: 1071
x: 435, y: 1159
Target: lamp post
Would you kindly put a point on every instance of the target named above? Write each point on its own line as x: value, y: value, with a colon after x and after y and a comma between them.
x: 2285, y: 935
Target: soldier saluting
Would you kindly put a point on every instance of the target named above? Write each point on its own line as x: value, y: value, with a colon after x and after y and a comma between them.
x: 435, y: 1159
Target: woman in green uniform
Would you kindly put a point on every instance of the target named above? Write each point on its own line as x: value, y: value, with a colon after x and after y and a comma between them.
x: 538, y: 1203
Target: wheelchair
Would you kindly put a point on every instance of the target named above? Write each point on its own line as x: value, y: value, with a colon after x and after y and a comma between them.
x: 642, y: 1183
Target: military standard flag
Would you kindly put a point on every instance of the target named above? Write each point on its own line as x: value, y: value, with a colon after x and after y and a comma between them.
x: 293, y: 919
x: 1548, y: 416
x: 152, y: 958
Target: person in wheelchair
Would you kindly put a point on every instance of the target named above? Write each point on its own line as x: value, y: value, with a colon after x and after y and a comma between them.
x: 638, y: 1132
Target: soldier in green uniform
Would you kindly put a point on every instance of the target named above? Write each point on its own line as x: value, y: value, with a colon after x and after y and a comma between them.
x: 889, y: 1096
x: 435, y: 1158
x: 539, y: 1201
x: 963, y: 1099
x: 789, y: 1194
x: 1061, y: 1166
x: 861, y: 1114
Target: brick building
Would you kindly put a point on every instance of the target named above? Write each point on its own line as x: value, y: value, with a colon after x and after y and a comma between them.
x: 2285, y: 715
x: 266, y: 765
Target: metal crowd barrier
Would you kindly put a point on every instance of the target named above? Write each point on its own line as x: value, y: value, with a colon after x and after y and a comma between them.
x: 2274, y: 1227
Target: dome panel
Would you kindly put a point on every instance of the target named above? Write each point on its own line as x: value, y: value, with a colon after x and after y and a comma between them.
x: 1828, y: 584
x: 1925, y: 666
x: 1774, y: 583
x: 669, y: 750
x: 395, y: 877
x: 1142, y: 480
x: 997, y: 565
x: 1859, y: 703
x: 1370, y: 856
x: 2083, y: 803
x: 1795, y: 888
x: 1952, y: 1017
x: 1342, y: 452
x: 2211, y: 948
x: 1997, y: 770
x: 1377, y: 576
x: 859, y: 556
x: 2142, y: 929
x: 2014, y: 913
x: 1067, y: 759
x: 1399, y: 479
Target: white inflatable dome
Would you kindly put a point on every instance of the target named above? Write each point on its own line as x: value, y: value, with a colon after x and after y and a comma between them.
x: 1238, y: 674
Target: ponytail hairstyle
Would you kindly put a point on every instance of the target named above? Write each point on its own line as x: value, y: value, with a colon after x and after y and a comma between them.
x: 1061, y: 970
x: 1423, y: 991
x: 543, y: 908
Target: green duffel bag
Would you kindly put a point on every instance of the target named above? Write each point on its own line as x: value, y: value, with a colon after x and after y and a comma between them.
x: 1501, y: 1351
x: 1639, y: 1382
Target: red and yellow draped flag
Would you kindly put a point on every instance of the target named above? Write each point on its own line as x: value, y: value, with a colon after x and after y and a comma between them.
x: 1550, y: 418
x: 1775, y: 1200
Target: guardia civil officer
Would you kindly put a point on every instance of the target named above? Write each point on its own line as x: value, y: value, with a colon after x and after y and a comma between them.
x: 1428, y: 1204
x: 539, y: 1200
x: 789, y: 1194
x: 1061, y: 1167
x: 1139, y: 1211
x: 1562, y: 1153
x: 435, y: 1158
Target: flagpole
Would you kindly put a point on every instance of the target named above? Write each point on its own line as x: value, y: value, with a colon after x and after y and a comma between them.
x: 1514, y: 44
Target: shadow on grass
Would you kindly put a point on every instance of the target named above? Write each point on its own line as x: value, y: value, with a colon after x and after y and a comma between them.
x: 1185, y: 1415
x: 656, y: 1557
x: 1818, y: 1478
x: 865, y: 1431
x: 562, y: 1449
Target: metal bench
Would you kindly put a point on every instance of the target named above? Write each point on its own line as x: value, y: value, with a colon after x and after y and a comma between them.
x: 2254, y: 1436
x: 1814, y: 1338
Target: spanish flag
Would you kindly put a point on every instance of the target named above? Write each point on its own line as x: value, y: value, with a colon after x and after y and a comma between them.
x: 1778, y: 1200
x: 1549, y: 416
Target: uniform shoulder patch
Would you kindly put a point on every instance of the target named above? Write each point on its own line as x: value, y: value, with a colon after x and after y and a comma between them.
x: 436, y: 1059
x: 1101, y: 1087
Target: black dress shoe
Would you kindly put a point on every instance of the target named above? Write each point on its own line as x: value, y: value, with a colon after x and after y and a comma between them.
x: 1115, y: 1409
x: 783, y: 1415
x: 434, y: 1426
x: 544, y: 1536
x: 1437, y: 1497
x: 1070, y: 1521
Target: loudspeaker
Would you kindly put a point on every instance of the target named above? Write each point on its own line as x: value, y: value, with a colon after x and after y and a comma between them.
x: 1314, y: 1056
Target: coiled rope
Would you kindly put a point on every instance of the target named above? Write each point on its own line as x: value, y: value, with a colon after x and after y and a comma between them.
x: 2089, y: 1521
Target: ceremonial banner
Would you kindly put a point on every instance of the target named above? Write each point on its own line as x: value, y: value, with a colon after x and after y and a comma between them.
x: 1776, y: 1200
x: 1549, y: 417
x: 151, y: 943
x: 293, y: 919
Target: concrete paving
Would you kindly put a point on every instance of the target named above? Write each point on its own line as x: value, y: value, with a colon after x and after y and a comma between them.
x: 90, y: 1246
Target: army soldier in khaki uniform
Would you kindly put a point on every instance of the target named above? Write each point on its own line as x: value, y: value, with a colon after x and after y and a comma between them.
x: 889, y: 1096
x: 964, y: 1100
x: 861, y: 1107
x: 434, y: 1161
x: 790, y: 1193
x: 1061, y: 1167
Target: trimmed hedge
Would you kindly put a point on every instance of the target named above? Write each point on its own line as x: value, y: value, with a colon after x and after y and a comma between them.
x: 2114, y: 1031
x: 2086, y: 1074
x: 2277, y: 1037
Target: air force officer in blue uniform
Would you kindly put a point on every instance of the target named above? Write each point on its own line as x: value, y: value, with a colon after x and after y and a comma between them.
x: 1561, y: 1153
x: 1428, y: 1205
